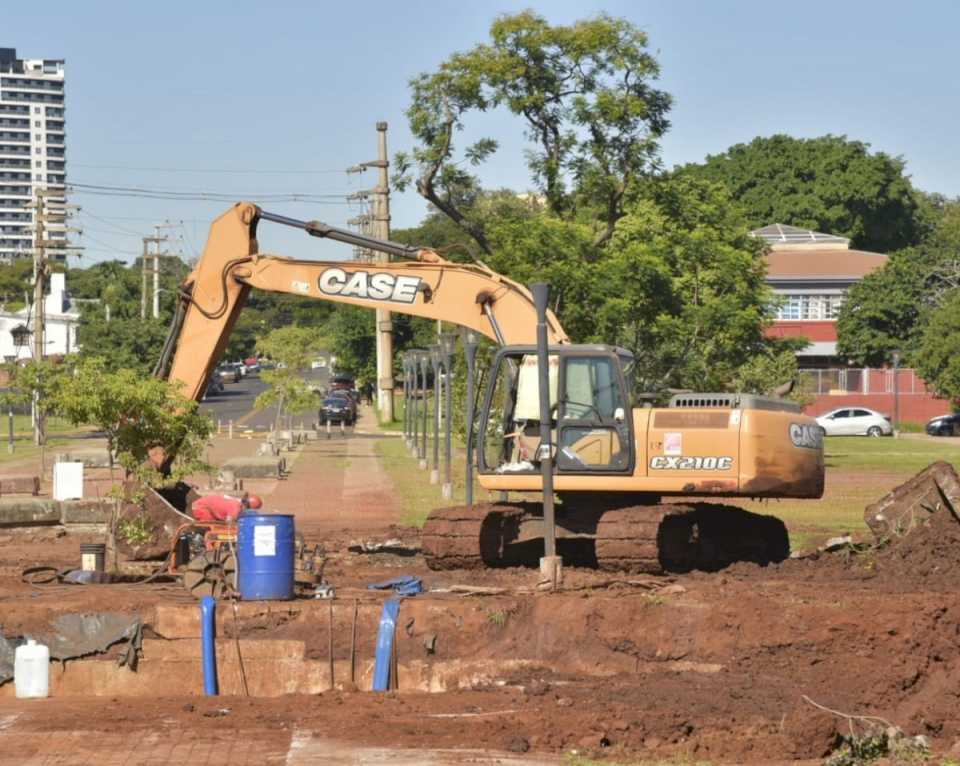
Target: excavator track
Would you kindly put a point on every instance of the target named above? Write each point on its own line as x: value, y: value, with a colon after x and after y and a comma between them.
x: 640, y: 539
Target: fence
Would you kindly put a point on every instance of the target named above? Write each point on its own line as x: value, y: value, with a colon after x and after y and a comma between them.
x: 856, y: 380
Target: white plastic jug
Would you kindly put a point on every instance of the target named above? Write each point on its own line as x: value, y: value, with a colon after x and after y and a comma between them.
x: 31, y: 670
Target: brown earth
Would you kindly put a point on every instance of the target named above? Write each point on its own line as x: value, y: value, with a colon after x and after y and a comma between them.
x: 712, y: 667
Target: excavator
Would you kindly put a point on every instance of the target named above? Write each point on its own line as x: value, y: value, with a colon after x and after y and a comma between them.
x: 637, y: 483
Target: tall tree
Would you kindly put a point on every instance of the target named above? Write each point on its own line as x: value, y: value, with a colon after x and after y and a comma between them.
x: 889, y: 309
x: 584, y: 92
x: 830, y: 184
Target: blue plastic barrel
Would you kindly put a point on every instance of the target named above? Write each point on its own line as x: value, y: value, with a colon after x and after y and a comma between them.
x: 265, y: 557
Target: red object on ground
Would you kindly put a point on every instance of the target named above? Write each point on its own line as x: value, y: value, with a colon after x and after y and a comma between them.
x: 254, y: 502
x: 216, y: 508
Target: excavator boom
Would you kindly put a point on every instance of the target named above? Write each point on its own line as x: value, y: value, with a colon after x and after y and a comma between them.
x: 425, y: 285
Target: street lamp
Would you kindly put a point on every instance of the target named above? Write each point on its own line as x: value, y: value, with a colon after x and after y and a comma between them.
x: 470, y: 345
x: 435, y: 365
x: 448, y: 345
x: 896, y: 392
x: 424, y: 365
x: 21, y: 337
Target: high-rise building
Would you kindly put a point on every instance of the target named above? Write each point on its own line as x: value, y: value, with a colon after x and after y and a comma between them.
x: 32, y: 151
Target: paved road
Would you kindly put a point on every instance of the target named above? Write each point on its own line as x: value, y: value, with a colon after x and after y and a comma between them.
x: 236, y: 402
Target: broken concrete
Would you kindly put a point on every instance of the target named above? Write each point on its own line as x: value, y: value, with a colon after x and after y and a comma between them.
x: 908, y: 505
x: 264, y: 467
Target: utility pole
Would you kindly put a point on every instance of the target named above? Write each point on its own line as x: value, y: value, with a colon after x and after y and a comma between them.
x: 151, y: 264
x: 39, y: 278
x: 381, y: 230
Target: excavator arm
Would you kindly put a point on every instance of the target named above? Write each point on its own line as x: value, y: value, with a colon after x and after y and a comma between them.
x: 424, y: 285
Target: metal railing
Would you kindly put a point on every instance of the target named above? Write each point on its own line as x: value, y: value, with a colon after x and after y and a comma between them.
x: 859, y: 380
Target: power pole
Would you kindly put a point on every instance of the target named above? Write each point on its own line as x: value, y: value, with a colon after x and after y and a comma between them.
x: 151, y: 264
x: 381, y: 229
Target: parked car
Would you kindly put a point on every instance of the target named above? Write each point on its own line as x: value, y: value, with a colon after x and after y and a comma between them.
x: 342, y: 383
x: 214, y: 387
x: 338, y: 408
x: 944, y: 425
x: 855, y: 421
x: 252, y: 364
x: 228, y: 373
x: 318, y: 364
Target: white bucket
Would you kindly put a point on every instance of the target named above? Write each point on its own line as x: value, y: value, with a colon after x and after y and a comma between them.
x: 31, y: 670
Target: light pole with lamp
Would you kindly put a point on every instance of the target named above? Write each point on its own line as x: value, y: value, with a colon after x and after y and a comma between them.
x: 470, y: 345
x: 435, y: 366
x: 424, y: 369
x: 448, y: 345
x: 896, y: 393
x: 21, y: 339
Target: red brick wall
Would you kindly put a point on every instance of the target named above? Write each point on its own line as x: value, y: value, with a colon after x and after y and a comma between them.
x: 813, y: 331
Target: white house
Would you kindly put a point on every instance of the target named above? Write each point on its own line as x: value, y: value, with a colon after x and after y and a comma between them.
x: 61, y: 319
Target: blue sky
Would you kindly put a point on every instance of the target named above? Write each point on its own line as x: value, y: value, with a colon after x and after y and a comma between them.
x: 295, y: 88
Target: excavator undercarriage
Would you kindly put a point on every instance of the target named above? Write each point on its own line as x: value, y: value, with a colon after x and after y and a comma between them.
x: 638, y: 539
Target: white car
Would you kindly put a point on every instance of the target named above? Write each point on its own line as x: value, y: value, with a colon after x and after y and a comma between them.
x: 855, y: 421
x: 318, y: 364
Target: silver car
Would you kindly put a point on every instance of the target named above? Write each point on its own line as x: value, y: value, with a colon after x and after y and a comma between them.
x: 855, y: 421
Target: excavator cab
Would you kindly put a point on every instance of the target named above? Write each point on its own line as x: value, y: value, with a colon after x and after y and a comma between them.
x: 590, y: 405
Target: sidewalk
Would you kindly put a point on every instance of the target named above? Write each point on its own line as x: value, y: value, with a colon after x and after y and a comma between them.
x: 339, y: 485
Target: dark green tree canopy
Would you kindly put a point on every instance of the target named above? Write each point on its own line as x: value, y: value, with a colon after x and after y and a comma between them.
x: 890, y: 308
x: 829, y: 184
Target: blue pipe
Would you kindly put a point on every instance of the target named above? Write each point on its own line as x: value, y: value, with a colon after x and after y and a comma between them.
x: 384, y: 651
x: 208, y: 634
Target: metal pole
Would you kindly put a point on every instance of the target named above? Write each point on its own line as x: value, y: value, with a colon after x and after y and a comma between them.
x: 448, y: 345
x: 406, y: 400
x: 896, y: 393
x: 414, y: 414
x: 156, y: 283
x: 384, y: 320
x: 10, y: 431
x: 550, y: 563
x: 424, y: 362
x: 435, y: 364
x: 470, y: 350
x: 143, y: 282
x: 39, y: 279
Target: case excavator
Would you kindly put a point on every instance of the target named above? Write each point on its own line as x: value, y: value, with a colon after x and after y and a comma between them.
x: 638, y: 485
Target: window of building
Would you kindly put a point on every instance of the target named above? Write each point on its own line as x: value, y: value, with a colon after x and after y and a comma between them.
x: 36, y: 110
x: 809, y: 307
x: 38, y: 163
x: 36, y: 123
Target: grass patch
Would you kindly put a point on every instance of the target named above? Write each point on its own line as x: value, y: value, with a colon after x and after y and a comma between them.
x: 860, y: 470
x: 417, y: 496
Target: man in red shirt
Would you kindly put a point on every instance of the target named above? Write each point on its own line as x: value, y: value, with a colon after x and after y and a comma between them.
x: 223, y: 507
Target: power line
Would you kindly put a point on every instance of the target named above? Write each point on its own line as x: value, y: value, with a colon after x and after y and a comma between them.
x: 202, y: 192
x: 230, y: 171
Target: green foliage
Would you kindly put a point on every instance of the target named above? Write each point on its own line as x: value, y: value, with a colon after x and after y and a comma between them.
x: 890, y: 308
x: 292, y: 346
x: 138, y: 415
x: 937, y: 358
x: 136, y: 530
x: 683, y: 286
x: 122, y: 343
x: 584, y: 93
x: 763, y: 373
x: 287, y: 391
x: 829, y: 184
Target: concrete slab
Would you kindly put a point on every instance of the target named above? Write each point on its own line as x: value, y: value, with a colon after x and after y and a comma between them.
x: 255, y: 467
x: 86, y: 511
x: 16, y: 512
x: 20, y: 485
x: 91, y: 458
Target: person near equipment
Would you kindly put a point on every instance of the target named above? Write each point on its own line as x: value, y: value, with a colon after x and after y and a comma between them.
x: 223, y: 507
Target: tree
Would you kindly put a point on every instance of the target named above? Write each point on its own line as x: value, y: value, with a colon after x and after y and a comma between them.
x: 830, y: 184
x: 937, y: 357
x: 889, y: 308
x: 123, y: 342
x: 138, y: 415
x: 35, y: 383
x: 292, y: 349
x: 584, y: 92
x: 684, y: 287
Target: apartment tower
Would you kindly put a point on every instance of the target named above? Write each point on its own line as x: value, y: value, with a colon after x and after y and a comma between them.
x: 32, y: 151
